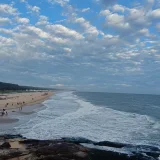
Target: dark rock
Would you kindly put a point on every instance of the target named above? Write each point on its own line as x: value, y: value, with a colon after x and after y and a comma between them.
x: 78, y: 140
x: 110, y: 144
x: 4, y: 145
x: 71, y: 149
x: 6, y: 154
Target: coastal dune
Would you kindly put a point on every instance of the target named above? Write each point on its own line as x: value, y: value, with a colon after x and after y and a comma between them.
x: 17, y: 100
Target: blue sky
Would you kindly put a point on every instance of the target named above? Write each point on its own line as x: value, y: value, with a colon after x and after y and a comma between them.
x: 92, y: 45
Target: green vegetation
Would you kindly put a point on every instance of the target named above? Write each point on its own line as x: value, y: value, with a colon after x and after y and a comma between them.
x: 9, y: 88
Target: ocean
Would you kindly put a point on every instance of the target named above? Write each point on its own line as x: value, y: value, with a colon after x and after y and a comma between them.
x: 124, y: 118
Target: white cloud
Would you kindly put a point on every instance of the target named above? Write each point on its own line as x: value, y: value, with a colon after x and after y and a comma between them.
x: 5, y: 31
x: 43, y: 20
x: 118, y: 8
x: 88, y: 28
x: 4, y: 21
x: 144, y: 32
x: 33, y: 9
x: 79, y: 46
x: 68, y: 50
x: 155, y: 14
x: 117, y: 21
x: 105, y: 12
x: 6, y: 9
x: 85, y: 9
x: 22, y: 20
x: 63, y: 31
x: 6, y: 41
x: 39, y: 32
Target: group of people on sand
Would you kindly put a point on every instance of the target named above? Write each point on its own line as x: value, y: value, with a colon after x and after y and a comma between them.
x: 4, y: 111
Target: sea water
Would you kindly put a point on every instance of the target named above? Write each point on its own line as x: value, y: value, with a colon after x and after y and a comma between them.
x: 125, y: 118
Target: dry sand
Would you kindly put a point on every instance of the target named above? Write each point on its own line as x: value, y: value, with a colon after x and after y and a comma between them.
x: 17, y: 100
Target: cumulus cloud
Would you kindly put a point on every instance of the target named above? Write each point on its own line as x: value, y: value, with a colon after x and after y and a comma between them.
x: 43, y: 20
x: 33, y: 9
x: 6, y: 41
x: 118, y: 44
x: 118, y: 8
x: 117, y: 21
x: 22, y: 20
x: 4, y: 21
x: 155, y: 14
x: 88, y: 28
x: 63, y: 31
x: 6, y: 9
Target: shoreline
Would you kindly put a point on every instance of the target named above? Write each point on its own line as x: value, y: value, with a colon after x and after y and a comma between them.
x: 16, y: 100
x: 15, y: 106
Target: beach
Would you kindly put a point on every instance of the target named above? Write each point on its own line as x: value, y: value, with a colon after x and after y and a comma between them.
x: 99, y: 122
x: 15, y: 102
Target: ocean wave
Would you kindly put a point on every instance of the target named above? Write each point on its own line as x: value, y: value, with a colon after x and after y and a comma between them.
x: 67, y: 115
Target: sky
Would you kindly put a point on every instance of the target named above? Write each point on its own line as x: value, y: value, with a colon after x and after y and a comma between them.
x: 87, y: 45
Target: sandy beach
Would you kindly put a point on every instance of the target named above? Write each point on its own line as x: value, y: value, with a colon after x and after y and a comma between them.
x: 19, y: 100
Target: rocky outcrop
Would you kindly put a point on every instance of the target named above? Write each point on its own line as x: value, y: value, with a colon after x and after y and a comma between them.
x: 72, y: 149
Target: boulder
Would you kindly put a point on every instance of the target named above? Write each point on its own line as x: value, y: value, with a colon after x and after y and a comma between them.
x: 4, y: 145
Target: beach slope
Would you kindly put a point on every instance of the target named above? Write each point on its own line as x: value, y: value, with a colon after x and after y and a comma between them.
x: 17, y: 100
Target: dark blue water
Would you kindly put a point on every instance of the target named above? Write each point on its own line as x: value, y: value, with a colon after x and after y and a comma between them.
x: 134, y: 103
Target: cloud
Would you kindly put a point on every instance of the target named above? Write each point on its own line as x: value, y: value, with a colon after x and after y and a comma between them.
x: 6, y: 41
x: 5, y: 21
x: 117, y: 21
x: 118, y: 8
x: 68, y: 50
x: 120, y: 43
x: 6, y: 9
x: 63, y: 31
x: 85, y: 9
x: 22, y: 20
x: 37, y: 31
x: 43, y: 20
x: 88, y: 28
x: 155, y: 14
x: 105, y: 12
x: 6, y: 31
x: 33, y: 9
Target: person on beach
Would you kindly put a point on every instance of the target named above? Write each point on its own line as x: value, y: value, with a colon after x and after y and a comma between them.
x: 4, y: 112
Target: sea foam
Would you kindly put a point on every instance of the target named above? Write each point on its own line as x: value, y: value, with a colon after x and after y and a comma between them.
x: 67, y: 115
